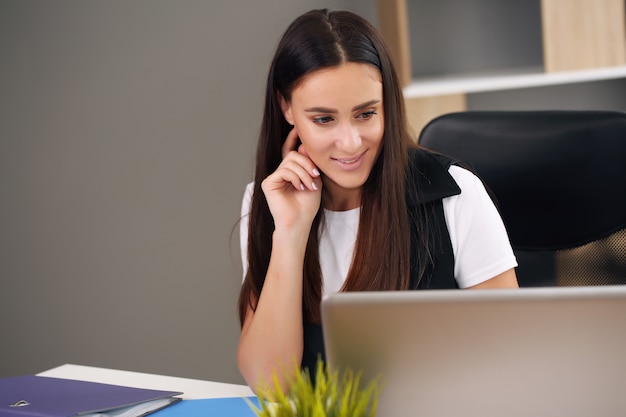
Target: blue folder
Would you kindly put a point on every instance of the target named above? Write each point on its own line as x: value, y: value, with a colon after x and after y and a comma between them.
x: 32, y: 395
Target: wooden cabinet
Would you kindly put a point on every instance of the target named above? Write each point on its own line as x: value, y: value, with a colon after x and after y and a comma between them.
x: 453, y: 54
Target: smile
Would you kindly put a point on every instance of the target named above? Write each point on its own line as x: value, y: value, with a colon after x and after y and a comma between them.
x: 349, y: 161
x: 352, y: 162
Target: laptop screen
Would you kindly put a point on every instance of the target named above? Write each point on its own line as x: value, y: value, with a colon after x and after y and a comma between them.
x: 491, y: 353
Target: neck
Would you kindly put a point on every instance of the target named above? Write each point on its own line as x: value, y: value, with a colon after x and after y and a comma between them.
x: 341, y: 201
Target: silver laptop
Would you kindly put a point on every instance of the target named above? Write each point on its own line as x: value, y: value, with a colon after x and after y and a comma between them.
x: 532, y: 352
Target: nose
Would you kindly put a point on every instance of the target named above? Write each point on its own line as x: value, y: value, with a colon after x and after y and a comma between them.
x: 349, y: 139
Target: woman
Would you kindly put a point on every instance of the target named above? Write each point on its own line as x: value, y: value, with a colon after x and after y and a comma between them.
x: 343, y: 200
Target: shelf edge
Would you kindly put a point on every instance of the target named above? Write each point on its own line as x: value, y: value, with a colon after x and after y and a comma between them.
x: 440, y: 86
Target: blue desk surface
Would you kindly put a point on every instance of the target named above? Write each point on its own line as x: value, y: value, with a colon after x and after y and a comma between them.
x: 226, y: 407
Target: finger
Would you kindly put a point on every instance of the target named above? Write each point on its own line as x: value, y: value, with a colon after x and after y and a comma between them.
x: 301, y: 171
x: 303, y: 160
x: 282, y: 179
x: 290, y: 142
x: 289, y: 176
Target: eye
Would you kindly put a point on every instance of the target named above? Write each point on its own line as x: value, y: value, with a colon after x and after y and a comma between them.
x: 366, y: 115
x: 322, y: 120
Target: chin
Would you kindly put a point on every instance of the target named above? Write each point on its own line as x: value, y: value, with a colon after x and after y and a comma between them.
x: 349, y: 183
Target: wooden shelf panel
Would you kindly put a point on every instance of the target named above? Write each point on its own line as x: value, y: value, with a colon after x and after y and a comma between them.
x: 582, y: 34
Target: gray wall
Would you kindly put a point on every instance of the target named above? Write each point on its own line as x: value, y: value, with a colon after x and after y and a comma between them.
x: 127, y: 133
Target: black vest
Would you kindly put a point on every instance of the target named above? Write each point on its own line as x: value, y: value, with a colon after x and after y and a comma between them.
x: 428, y: 182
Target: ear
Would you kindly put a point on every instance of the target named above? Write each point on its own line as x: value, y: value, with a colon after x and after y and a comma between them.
x: 285, y: 107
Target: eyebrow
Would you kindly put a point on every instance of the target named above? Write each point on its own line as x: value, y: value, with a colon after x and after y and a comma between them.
x: 329, y: 110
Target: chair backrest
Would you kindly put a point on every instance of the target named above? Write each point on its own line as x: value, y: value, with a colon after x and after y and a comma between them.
x: 559, y: 181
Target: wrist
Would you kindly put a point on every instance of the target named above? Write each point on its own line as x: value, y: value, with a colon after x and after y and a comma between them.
x: 290, y: 244
x: 292, y: 232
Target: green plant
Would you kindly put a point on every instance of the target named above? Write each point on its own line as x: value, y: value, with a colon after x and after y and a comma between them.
x: 331, y: 396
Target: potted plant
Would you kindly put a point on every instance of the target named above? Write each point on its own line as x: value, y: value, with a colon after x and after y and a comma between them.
x: 333, y: 395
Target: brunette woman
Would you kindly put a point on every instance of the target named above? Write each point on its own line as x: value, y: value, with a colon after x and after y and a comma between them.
x: 343, y: 199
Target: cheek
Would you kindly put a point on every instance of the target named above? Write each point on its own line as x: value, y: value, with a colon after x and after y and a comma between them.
x: 313, y: 138
x: 318, y: 146
x: 379, y: 128
x: 373, y: 133
x: 314, y: 142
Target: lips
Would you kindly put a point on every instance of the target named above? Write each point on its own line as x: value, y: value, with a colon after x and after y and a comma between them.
x: 351, y: 163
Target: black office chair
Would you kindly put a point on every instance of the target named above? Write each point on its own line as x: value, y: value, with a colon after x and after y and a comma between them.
x: 559, y: 181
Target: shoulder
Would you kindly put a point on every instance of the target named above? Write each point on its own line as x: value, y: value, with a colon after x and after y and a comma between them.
x: 249, y: 189
x: 479, y: 239
x: 247, y: 199
x: 464, y: 178
x: 428, y: 177
x: 474, y: 192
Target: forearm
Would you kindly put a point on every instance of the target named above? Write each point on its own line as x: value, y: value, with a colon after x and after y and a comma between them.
x: 272, y: 336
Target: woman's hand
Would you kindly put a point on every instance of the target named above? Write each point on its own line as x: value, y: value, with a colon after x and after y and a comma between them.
x: 294, y: 190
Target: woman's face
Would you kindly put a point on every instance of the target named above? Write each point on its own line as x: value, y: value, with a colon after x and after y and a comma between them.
x: 338, y: 114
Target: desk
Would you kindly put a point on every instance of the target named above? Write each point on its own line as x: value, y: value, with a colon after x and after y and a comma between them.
x: 191, y: 388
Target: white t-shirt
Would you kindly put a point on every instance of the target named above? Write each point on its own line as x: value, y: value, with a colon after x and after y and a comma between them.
x: 480, y: 243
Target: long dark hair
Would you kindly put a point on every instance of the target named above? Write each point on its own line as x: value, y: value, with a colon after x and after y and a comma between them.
x: 322, y: 39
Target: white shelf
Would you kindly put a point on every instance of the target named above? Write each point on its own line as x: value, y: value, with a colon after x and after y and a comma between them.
x: 514, y: 79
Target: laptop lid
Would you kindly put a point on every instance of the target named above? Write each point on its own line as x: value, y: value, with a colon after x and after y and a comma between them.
x: 491, y: 353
